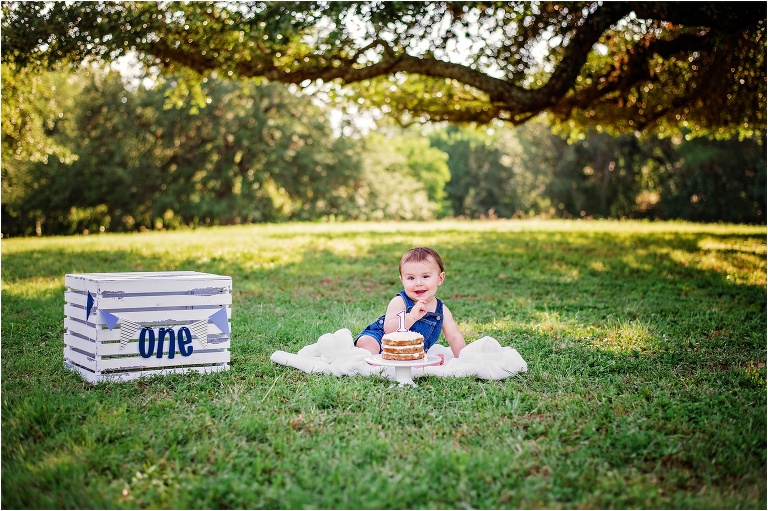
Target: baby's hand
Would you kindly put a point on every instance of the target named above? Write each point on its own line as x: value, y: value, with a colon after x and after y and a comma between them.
x: 419, y: 310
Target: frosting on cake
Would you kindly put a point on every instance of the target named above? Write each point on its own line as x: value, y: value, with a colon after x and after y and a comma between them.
x: 402, y: 346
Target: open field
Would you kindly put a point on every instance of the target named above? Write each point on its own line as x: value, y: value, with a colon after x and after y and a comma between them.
x: 646, y: 388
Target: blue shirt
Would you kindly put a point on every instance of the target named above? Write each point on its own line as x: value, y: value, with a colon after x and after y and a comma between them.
x: 429, y: 326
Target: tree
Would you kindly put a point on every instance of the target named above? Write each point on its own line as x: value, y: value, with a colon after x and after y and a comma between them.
x: 500, y: 172
x: 83, y: 152
x: 426, y: 164
x: 626, y: 66
x: 714, y: 181
x: 403, y: 179
x: 599, y: 176
x: 36, y: 122
x: 476, y: 173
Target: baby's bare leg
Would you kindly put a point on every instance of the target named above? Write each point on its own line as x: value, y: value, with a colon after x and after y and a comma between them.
x: 369, y: 343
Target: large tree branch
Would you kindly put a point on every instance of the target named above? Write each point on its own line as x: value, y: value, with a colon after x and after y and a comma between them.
x: 517, y: 101
x: 578, y: 51
x: 633, y: 69
x: 258, y: 42
x: 729, y: 17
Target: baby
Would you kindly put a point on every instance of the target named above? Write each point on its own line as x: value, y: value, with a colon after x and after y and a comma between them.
x: 421, y: 272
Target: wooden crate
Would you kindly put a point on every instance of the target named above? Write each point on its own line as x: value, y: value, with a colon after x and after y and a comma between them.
x: 123, y: 326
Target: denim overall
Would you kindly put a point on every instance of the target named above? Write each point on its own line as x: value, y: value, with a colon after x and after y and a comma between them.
x: 429, y: 326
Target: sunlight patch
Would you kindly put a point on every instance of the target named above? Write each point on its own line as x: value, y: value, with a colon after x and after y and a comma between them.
x: 551, y: 325
x: 633, y: 260
x: 755, y: 373
x: 56, y: 462
x: 752, y: 245
x: 597, y: 266
x: 621, y: 336
x: 34, y: 288
x: 472, y: 330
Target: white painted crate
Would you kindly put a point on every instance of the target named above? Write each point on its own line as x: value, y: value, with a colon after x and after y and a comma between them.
x: 123, y: 326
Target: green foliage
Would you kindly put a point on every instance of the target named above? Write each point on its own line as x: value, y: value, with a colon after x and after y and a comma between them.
x: 413, y: 99
x: 722, y: 79
x: 84, y: 152
x: 646, y: 382
x: 498, y: 173
x: 427, y: 165
x: 476, y: 166
x: 524, y: 171
x: 709, y: 180
x: 254, y: 153
x: 604, y: 177
x: 621, y: 66
x: 36, y: 125
x: 396, y: 183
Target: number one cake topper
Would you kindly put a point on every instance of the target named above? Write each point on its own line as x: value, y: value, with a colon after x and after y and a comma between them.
x: 401, y: 328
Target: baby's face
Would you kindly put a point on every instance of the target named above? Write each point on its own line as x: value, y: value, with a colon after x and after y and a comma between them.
x: 421, y: 279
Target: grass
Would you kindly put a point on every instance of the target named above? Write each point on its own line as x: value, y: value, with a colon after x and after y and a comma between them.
x: 646, y: 388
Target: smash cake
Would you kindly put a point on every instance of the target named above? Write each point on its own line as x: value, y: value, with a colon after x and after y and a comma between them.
x: 402, y: 346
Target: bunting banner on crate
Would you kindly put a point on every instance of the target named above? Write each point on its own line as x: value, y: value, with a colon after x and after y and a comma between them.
x: 146, y: 323
x: 128, y: 329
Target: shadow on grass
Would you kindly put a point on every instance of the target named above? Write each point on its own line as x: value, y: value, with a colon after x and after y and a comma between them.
x: 657, y: 295
x: 495, y: 280
x: 645, y: 350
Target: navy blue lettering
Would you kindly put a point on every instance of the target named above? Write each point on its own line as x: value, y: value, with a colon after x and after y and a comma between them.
x: 171, y: 345
x: 143, y: 351
x: 185, y: 342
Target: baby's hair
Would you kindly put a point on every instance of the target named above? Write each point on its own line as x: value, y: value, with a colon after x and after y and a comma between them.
x: 419, y: 254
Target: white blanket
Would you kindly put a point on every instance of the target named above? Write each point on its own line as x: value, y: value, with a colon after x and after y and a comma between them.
x: 335, y: 353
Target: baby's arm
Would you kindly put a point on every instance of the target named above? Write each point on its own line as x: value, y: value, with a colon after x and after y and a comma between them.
x: 392, y: 320
x: 452, y: 333
x: 396, y: 306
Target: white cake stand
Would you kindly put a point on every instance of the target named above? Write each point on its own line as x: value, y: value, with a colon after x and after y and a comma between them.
x: 403, y: 374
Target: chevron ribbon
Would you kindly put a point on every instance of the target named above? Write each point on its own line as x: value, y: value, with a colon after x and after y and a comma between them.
x: 128, y: 330
x: 200, y: 330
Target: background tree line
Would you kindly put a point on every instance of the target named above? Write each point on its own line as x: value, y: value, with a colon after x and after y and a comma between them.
x: 84, y: 153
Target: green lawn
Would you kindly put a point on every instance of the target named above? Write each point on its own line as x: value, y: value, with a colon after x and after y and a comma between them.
x: 646, y: 382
